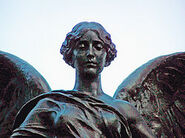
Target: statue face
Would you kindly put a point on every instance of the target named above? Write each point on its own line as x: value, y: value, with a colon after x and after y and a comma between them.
x: 89, y: 55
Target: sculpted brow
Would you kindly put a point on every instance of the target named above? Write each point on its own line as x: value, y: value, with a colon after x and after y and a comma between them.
x: 97, y: 42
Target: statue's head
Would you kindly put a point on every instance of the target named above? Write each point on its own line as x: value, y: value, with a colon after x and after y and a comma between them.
x: 78, y: 31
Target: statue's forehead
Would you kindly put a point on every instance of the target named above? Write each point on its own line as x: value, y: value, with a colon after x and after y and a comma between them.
x: 90, y: 36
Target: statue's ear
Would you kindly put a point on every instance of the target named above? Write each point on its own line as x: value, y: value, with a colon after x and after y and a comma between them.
x: 19, y: 82
x: 72, y: 60
x: 107, y: 62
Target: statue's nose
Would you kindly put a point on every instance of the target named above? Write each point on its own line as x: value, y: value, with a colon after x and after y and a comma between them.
x: 90, y: 52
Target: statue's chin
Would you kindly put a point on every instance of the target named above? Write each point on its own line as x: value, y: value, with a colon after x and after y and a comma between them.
x: 90, y: 73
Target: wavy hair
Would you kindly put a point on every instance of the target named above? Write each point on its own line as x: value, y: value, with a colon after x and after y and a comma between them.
x: 78, y: 31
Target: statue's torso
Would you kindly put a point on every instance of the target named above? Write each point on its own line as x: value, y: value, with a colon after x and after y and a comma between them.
x: 74, y: 115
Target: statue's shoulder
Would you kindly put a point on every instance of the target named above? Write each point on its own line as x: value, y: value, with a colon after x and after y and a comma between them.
x: 39, y: 100
x: 127, y: 109
x: 121, y: 105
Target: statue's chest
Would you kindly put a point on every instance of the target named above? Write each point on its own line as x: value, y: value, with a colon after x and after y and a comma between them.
x: 87, y: 119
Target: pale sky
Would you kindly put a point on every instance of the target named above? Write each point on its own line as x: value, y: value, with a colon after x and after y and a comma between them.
x: 141, y: 29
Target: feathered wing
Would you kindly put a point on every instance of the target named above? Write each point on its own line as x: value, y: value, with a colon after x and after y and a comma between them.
x: 157, y: 90
x: 19, y: 82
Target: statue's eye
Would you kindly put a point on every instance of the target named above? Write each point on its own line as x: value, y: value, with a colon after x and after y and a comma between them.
x: 98, y: 45
x: 82, y: 45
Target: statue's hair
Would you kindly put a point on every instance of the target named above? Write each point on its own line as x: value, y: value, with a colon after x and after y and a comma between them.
x: 78, y: 31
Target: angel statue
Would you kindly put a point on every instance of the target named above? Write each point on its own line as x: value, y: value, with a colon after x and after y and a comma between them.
x: 86, y: 111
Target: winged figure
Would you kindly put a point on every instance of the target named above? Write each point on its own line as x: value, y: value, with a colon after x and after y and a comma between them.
x: 148, y: 103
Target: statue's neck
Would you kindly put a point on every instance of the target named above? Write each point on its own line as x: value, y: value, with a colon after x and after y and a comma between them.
x: 88, y: 84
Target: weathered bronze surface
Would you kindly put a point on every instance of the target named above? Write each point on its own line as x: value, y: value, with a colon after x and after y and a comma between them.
x: 19, y: 82
x: 157, y: 90
x: 85, y: 111
x: 70, y: 114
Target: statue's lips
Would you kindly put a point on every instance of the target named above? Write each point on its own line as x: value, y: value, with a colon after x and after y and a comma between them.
x: 91, y: 64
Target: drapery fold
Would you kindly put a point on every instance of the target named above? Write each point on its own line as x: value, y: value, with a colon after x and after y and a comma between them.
x: 70, y: 114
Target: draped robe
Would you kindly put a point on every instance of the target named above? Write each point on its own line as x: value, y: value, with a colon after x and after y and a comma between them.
x: 69, y: 114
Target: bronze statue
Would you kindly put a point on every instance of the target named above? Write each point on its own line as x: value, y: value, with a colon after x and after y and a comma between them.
x: 85, y: 111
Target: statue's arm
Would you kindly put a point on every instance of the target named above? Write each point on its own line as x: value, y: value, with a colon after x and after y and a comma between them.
x: 137, y: 124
